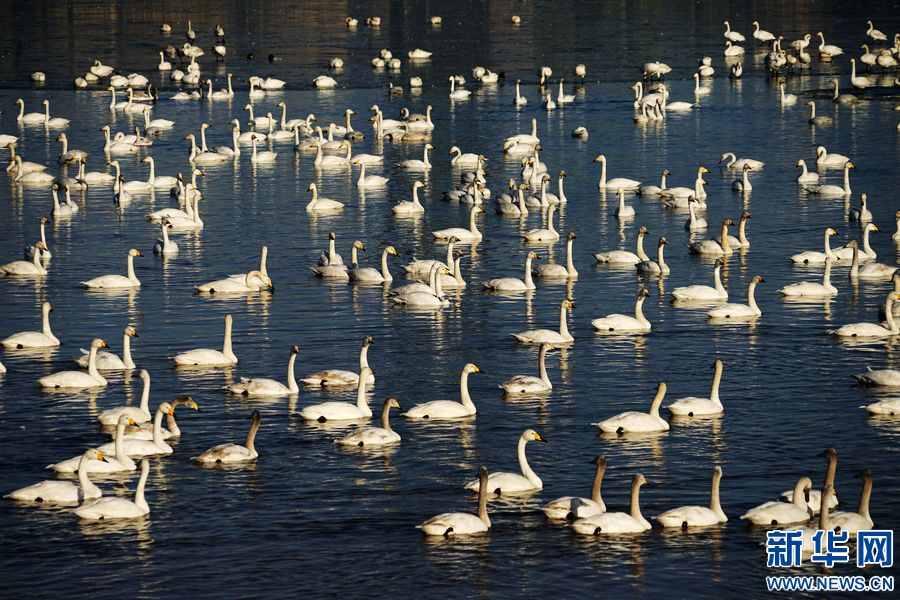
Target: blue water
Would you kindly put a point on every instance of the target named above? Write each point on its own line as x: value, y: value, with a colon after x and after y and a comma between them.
x: 310, y: 518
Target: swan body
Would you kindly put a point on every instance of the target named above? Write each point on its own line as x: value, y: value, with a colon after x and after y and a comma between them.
x: 367, y: 437
x: 448, y: 409
x: 623, y: 257
x: 811, y: 257
x: 338, y: 377
x: 734, y: 311
x: 573, y: 507
x: 413, y: 207
x: 852, y: 522
x: 456, y: 523
x: 464, y: 235
x: 805, y: 176
x: 782, y: 513
x: 693, y: 406
x: 557, y: 271
x: 78, y: 380
x: 112, y: 508
x: 697, y: 293
x: 617, y: 523
x: 24, y: 268
x: 810, y: 289
x: 342, y: 411
x: 510, y: 284
x: 139, y: 414
x: 539, y: 336
x: 637, y: 422
x: 116, y: 282
x: 108, y: 361
x: 528, y: 384
x: 371, y: 275
x: 737, y: 164
x: 317, y: 204
x: 617, y: 323
x: 34, y: 339
x: 655, y: 267
x: 253, y: 281
x: 208, y: 356
x: 697, y: 516
x: 615, y: 183
x: 714, y: 247
x: 63, y: 492
x: 880, y: 378
x: 257, y: 387
x: 874, y: 330
x: 234, y: 453
x: 504, y: 484
x: 138, y: 448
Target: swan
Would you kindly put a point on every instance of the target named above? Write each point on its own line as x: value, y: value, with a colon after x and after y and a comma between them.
x: 786, y: 99
x: 852, y: 522
x: 164, y: 65
x: 66, y: 155
x: 92, y: 176
x: 652, y: 191
x: 695, y: 222
x: 527, y: 384
x: 115, y: 146
x: 622, y: 211
x: 224, y: 94
x: 139, y: 414
x: 24, y: 268
x: 861, y: 214
x: 33, y: 177
x: 638, y: 422
x: 137, y: 447
x: 164, y: 246
x: 531, y: 139
x: 617, y: 323
x: 419, y: 295
x: 612, y: 523
x: 623, y: 257
x: 464, y: 235
x: 824, y: 159
x: 734, y: 311
x: 16, y: 162
x: 762, y: 35
x: 867, y: 254
x: 615, y: 183
x: 115, y: 282
x: 34, y: 118
x: 822, y: 121
x: 733, y: 50
x: 108, y: 361
x: 810, y: 289
x: 324, y: 82
x: 63, y: 492
x: 713, y: 247
x: 340, y: 271
x: 165, y: 182
x: 874, y: 330
x: 110, y: 508
x: 503, y: 483
x: 416, y: 165
x: 448, y: 409
x: 697, y: 516
x: 828, y: 51
x: 737, y: 164
x: 743, y: 184
x: 371, y: 275
x: 455, y: 523
x: 458, y: 94
x: 877, y: 36
x: 677, y: 197
x: 330, y: 257
x: 813, y: 498
x: 519, y: 100
x: 178, y: 223
x: 548, y: 234
x: 658, y: 266
x: 539, y: 336
x: 573, y: 507
x: 805, y: 176
x: 234, y: 453
x: 413, y: 207
x: 203, y: 157
x: 34, y: 339
x: 454, y: 281
x: 155, y: 125
x: 317, y: 204
x: 208, y: 356
x: 776, y: 512
x: 372, y: 181
x: 693, y: 406
x: 811, y: 257
x: 871, y: 271
x: 337, y: 377
x: 466, y: 161
x: 78, y: 380
x: 54, y: 122
x: 882, y: 378
x: 342, y: 411
x: 117, y: 459
x: 556, y: 271
x: 332, y: 162
x: 732, y: 36
x: 44, y: 254
x: 704, y: 292
x: 375, y: 436
x: 843, y: 98
x: 419, y: 267
x: 268, y: 387
x: 262, y: 157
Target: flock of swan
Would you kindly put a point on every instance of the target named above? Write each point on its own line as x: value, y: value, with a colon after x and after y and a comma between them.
x: 138, y: 433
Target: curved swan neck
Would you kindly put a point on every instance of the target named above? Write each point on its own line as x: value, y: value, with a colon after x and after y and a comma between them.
x: 598, y: 482
x: 88, y: 489
x: 45, y: 323
x: 865, y: 495
x: 824, y: 509
x: 640, y: 247
x: 291, y: 380
x: 826, y: 276
x: 866, y: 247
x: 542, y: 365
x: 364, y: 357
x: 415, y: 196
x: 636, y: 502
x: 523, y: 209
x: 657, y: 401
x: 570, y: 264
x: 126, y: 351
x: 385, y: 272
x: 92, y: 365
x: 563, y: 324
x: 131, y: 275
x: 472, y: 225
x: 639, y: 311
x: 251, y: 435
x: 660, y: 258
x: 386, y: 417
x: 725, y: 242
x: 157, y: 427
x: 715, y: 503
x: 602, y: 172
x: 717, y: 279
x: 717, y: 380
x: 139, y: 499
x: 361, y: 402
x: 751, y: 298
x: 847, y: 180
x: 529, y: 282
x: 742, y: 232
x: 529, y: 474
x: 226, y: 342
x: 482, y: 499
x: 465, y: 398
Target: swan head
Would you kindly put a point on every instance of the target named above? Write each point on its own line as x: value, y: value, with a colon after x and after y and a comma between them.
x: 831, y: 231
x: 643, y: 293
x: 702, y: 170
x: 643, y: 231
x: 311, y: 187
x: 568, y: 303
x: 872, y: 227
x: 429, y: 147
x: 167, y: 409
x: 132, y: 332
x: 295, y: 350
x: 134, y: 252
x: 359, y: 245
x: 391, y: 402
x: 849, y: 165
x: 758, y: 279
x: 745, y: 216
x: 571, y: 235
x: 94, y: 454
x: 530, y: 435
x: 391, y: 250
x: 600, y: 159
x: 44, y: 220
x: 368, y: 341
x: 418, y: 184
x: 20, y: 101
x: 662, y: 242
x: 265, y: 279
x: 728, y: 222
x: 692, y: 198
x: 472, y: 368
x: 98, y: 343
x: 534, y: 256
x: 719, y: 263
x: 454, y: 239
x: 185, y: 401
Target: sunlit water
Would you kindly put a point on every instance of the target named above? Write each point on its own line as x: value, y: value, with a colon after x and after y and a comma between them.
x: 310, y: 518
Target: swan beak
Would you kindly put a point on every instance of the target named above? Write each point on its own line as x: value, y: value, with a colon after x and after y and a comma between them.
x: 131, y: 422
x: 195, y: 406
x: 538, y: 438
x: 134, y: 334
x: 101, y: 458
x: 875, y: 228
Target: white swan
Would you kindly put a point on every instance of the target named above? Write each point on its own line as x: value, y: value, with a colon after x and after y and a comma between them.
x: 820, y: 120
x: 617, y: 323
x: 811, y: 257
x: 852, y: 522
x: 861, y: 214
x: 737, y: 164
x: 613, y: 523
x: 733, y: 311
x: 874, y: 330
x: 872, y: 271
x: 557, y: 271
x: 824, y: 159
x: 317, y: 204
x: 623, y: 257
x: 414, y: 164
x: 139, y: 414
x: 257, y: 386
x: 615, y: 183
x: 137, y: 447
x: 263, y: 269
x: 776, y: 512
x: 116, y: 282
x: 658, y: 266
x: 714, y: 247
x: 827, y: 51
x: 503, y: 483
x: 881, y: 378
x: 252, y: 282
x: 116, y: 459
x: 108, y: 361
x: 697, y: 516
x: 208, y: 356
x: 338, y: 377
x: 342, y: 411
x: 786, y: 99
x: 805, y: 176
x: 419, y: 295
x: 24, y: 268
x: 78, y: 380
x: 653, y: 191
x: 456, y: 523
x: 370, y: 181
x: 705, y: 293
x: 63, y: 492
x: 234, y: 453
x: 574, y: 507
x: 695, y: 222
x: 330, y: 257
x: 339, y: 271
x: 374, y: 436
x: 111, y: 508
x: 638, y: 422
x: 511, y: 284
x: 468, y: 160
x: 866, y: 254
x: 448, y: 409
x: 813, y: 498
x: 528, y: 384
x: 163, y: 245
x: 732, y: 36
x: 34, y: 118
x: 413, y: 207
x: 693, y: 406
x: 743, y: 184
x: 812, y: 289
x: 34, y: 339
x: 679, y: 197
x: 464, y: 235
x: 539, y: 336
x: 371, y: 275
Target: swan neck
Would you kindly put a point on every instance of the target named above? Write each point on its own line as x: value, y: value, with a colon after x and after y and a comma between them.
x: 126, y: 352
x: 472, y: 226
x: 657, y: 402
x: 386, y: 418
x: 465, y: 398
x: 364, y: 357
x: 226, y: 342
x: 847, y: 186
x: 854, y: 265
x: 131, y: 275
x: 251, y: 436
x: 157, y: 427
x: 291, y: 380
x: 385, y: 272
x: 529, y: 474
x: 139, y: 499
x: 88, y: 489
x: 639, y: 311
x: 354, y: 260
x: 751, y: 298
x: 725, y: 242
x: 563, y: 324
x: 361, y: 402
x: 866, y: 247
x: 597, y: 483
x: 482, y: 501
x: 865, y: 495
x: 542, y: 365
x: 416, y: 196
x: 636, y: 503
x: 717, y: 280
x: 570, y: 264
x: 603, y: 173
x: 92, y: 365
x: 45, y: 325
x: 640, y: 248
x: 715, y: 503
x: 717, y: 380
x: 889, y: 316
x: 529, y: 282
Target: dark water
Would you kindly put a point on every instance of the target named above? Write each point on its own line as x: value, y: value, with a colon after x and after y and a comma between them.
x: 309, y: 518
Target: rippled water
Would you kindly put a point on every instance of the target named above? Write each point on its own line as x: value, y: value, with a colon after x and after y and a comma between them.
x: 310, y: 518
